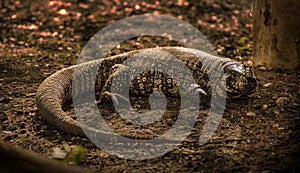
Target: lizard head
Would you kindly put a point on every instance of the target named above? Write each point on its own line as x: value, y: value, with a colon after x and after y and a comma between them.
x: 240, y: 80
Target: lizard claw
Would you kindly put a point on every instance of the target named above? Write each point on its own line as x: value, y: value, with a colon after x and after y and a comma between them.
x: 196, y: 88
x: 114, y: 97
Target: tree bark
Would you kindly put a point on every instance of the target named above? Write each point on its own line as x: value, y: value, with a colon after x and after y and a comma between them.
x: 16, y: 160
x: 276, y: 33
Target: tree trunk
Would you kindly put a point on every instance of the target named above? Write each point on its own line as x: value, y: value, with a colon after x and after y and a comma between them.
x: 14, y: 160
x: 276, y: 33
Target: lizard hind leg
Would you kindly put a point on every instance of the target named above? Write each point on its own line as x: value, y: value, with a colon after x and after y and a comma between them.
x: 117, y: 73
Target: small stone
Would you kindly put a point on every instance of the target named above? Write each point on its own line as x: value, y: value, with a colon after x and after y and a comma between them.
x: 276, y: 125
x: 265, y: 107
x: 263, y: 68
x: 6, y: 132
x: 268, y: 85
x: 187, y: 151
x: 71, y: 163
x: 6, y: 122
x: 277, y: 112
x: 66, y: 147
x: 58, y: 153
x: 251, y: 114
x: 84, y: 139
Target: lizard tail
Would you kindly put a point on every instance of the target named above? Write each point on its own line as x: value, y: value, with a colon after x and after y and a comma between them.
x: 51, y: 96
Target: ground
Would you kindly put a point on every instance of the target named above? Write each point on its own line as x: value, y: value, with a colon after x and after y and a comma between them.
x: 257, y: 134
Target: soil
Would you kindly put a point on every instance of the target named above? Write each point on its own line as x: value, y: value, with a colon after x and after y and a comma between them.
x: 256, y: 134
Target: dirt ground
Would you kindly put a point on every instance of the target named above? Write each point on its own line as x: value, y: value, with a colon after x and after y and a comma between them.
x: 258, y: 134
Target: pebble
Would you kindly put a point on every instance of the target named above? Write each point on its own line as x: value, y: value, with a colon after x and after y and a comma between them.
x: 58, y: 153
x: 251, y: 114
x: 268, y: 85
x: 263, y: 68
x: 277, y: 112
x: 67, y: 147
x: 6, y: 132
x: 275, y: 125
x: 265, y: 107
x: 6, y: 122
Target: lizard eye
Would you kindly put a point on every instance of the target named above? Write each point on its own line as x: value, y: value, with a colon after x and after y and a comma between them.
x: 249, y: 71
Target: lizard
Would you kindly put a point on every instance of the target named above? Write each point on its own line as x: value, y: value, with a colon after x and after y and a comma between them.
x: 56, y: 90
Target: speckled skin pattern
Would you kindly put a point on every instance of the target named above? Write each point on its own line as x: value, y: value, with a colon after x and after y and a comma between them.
x: 97, y: 75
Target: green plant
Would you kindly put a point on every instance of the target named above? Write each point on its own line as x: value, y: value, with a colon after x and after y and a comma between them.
x: 75, y: 153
